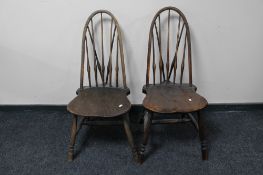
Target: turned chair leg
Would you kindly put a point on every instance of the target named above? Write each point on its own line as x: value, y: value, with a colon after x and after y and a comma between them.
x: 202, y: 136
x: 72, y: 137
x: 147, y: 126
x: 126, y: 122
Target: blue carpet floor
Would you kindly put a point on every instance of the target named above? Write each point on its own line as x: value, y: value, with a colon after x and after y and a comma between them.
x: 35, y: 142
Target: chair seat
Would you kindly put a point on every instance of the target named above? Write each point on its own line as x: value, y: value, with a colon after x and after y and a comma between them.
x: 100, y: 102
x: 167, y: 98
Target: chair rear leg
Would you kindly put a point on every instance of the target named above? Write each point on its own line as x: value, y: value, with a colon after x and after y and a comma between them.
x: 147, y: 127
x: 72, y: 137
x: 126, y: 122
x: 202, y: 136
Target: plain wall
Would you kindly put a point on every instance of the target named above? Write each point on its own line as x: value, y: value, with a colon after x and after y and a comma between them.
x: 40, y: 45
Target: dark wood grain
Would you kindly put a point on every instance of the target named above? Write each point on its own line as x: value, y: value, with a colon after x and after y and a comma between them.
x: 72, y: 137
x: 102, y: 100
x: 102, y: 68
x: 171, y: 94
x: 155, y: 33
x: 166, y: 98
x: 202, y: 136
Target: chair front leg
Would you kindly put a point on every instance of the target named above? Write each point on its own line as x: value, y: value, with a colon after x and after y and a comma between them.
x: 72, y: 137
x: 147, y: 126
x: 126, y: 122
x: 202, y: 136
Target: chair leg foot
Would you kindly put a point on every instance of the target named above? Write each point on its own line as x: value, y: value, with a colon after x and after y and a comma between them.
x: 204, y: 150
x: 72, y: 138
x: 142, y: 149
x: 135, y: 154
x: 142, y: 152
x: 147, y: 126
x: 204, y: 155
x: 70, y: 154
x: 202, y: 136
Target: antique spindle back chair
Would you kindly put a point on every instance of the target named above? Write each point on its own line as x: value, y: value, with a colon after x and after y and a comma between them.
x: 102, y: 49
x: 169, y: 48
x: 169, y: 88
x: 103, y: 90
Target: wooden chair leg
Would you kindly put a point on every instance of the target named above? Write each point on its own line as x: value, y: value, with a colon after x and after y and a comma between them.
x: 202, y: 136
x: 147, y: 126
x: 126, y: 122
x: 72, y: 137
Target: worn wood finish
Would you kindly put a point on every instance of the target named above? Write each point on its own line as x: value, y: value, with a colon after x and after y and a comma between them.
x: 194, y: 121
x: 202, y: 136
x: 101, y: 71
x: 170, y: 121
x: 147, y: 127
x: 166, y: 98
x: 100, y: 102
x: 126, y: 123
x: 105, y: 96
x: 155, y: 35
x: 172, y: 93
x: 72, y: 137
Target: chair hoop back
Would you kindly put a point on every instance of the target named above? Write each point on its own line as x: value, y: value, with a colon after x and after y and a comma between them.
x: 102, y: 49
x: 169, y: 44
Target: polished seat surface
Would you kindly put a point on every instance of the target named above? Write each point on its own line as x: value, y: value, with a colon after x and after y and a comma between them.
x: 169, y: 98
x: 100, y: 102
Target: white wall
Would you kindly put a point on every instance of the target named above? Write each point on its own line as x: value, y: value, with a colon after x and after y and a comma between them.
x: 40, y: 47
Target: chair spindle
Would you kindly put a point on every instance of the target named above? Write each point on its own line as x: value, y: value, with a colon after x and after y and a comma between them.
x: 182, y: 64
x: 168, y: 45
x: 102, y: 51
x: 88, y: 64
x: 117, y: 64
x: 153, y: 64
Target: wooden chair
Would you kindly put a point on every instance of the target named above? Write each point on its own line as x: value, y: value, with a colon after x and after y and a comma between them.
x: 169, y: 47
x: 104, y: 95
